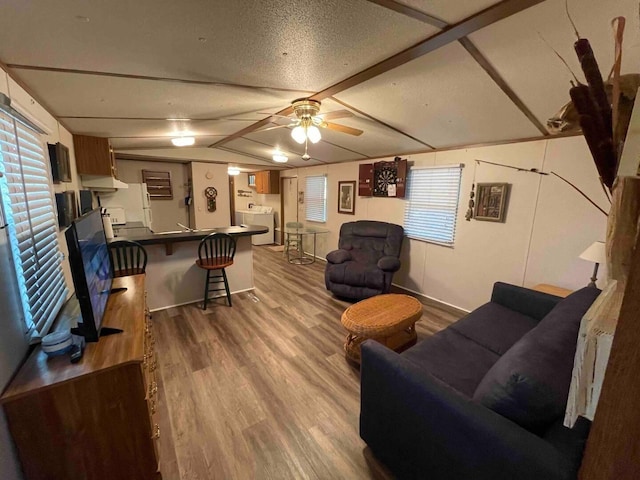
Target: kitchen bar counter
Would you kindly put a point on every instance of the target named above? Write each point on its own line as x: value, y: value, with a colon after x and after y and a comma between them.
x: 145, y: 236
x: 172, y: 276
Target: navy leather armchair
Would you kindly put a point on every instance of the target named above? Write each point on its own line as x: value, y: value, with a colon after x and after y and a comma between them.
x: 367, y: 257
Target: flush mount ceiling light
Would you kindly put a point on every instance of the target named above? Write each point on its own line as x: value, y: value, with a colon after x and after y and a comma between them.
x: 183, y: 141
x: 233, y: 171
x: 280, y: 157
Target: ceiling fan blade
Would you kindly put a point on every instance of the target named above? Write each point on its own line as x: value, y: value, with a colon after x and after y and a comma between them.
x: 342, y: 128
x: 335, y: 114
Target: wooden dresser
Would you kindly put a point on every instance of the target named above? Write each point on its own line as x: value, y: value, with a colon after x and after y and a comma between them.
x: 94, y: 419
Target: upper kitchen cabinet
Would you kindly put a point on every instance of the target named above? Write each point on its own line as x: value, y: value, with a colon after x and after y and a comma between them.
x: 94, y: 156
x: 268, y: 181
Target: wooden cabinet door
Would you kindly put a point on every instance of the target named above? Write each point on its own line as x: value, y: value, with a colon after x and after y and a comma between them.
x: 365, y: 180
x: 401, y: 182
x: 260, y: 182
x: 93, y: 155
x: 273, y: 183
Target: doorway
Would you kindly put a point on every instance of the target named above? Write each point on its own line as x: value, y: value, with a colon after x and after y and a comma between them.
x: 289, y: 202
x: 232, y: 200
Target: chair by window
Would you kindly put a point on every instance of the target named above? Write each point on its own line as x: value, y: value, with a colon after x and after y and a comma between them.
x: 367, y: 257
x: 127, y: 258
x: 292, y: 240
x: 215, y: 253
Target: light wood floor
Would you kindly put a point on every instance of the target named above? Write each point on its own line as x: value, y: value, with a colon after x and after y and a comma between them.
x: 262, y: 390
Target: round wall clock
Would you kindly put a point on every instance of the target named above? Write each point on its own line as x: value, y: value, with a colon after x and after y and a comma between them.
x: 211, y: 193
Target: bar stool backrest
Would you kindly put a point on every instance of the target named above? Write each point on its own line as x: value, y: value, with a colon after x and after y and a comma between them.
x: 217, y: 249
x: 294, y: 225
x: 127, y: 258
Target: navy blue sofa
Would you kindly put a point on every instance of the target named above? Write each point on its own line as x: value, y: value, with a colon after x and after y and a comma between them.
x: 482, y: 399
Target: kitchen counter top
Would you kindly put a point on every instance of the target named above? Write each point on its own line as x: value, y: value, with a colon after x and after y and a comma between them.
x: 145, y: 236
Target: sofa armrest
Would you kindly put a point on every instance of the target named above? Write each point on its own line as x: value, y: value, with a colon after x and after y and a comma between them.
x: 389, y: 264
x: 338, y: 256
x: 523, y: 300
x: 416, y: 424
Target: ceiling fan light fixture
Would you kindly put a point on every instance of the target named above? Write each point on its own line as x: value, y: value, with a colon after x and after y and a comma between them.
x: 313, y: 134
x: 299, y: 134
x: 280, y: 157
x: 233, y: 171
x: 183, y: 141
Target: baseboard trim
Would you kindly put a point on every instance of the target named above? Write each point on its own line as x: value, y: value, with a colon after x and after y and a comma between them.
x: 190, y: 302
x: 434, y: 302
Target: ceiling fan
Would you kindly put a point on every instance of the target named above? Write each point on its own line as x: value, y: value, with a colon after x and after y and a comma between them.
x: 308, y: 121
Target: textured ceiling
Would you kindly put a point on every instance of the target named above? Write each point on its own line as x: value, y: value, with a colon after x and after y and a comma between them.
x: 276, y: 43
x: 134, y: 65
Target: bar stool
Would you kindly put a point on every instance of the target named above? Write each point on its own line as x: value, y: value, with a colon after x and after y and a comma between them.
x: 292, y: 240
x: 216, y: 252
x: 127, y: 258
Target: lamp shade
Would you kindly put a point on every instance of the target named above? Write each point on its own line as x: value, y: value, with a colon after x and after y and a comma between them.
x: 596, y: 253
x: 313, y: 134
x: 299, y: 134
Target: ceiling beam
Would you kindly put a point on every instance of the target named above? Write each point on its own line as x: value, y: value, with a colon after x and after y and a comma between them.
x: 472, y: 50
x: 501, y: 83
x: 251, y: 128
x: 163, y: 119
x: 450, y: 34
x: 384, y: 124
x: 148, y: 77
x: 476, y: 145
x: 411, y: 12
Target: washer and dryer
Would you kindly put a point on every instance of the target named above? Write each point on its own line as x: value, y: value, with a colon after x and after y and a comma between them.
x: 258, y: 215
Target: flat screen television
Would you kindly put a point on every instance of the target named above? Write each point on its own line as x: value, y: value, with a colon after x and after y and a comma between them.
x: 91, y: 271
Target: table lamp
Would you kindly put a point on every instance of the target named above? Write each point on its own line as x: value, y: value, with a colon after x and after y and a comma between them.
x: 595, y: 253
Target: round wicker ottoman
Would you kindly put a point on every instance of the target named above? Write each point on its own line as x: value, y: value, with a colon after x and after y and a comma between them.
x: 389, y: 319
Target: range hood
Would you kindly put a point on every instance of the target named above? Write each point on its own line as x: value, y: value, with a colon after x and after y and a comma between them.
x: 102, y: 183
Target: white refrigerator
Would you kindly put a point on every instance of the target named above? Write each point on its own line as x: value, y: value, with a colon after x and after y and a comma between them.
x: 135, y: 201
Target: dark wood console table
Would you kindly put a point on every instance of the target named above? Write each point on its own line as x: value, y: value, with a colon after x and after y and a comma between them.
x: 94, y: 419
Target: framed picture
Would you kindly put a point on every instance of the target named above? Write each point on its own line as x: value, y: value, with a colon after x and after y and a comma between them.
x: 491, y: 202
x: 347, y: 197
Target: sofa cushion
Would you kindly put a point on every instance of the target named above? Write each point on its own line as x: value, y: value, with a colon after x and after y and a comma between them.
x: 494, y: 327
x: 453, y: 358
x: 357, y: 275
x: 530, y: 383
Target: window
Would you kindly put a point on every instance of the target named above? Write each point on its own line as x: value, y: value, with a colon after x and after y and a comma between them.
x: 27, y: 200
x: 316, y: 198
x: 432, y: 204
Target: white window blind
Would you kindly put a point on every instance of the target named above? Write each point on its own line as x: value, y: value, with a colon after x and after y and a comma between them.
x: 432, y: 204
x: 316, y: 198
x: 27, y: 199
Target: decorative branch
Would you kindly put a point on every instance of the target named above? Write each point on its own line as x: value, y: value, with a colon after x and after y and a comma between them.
x: 539, y: 172
x: 528, y: 170
x: 580, y: 192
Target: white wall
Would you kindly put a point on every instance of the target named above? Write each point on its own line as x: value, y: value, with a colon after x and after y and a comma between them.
x: 165, y: 213
x: 219, y: 179
x: 548, y: 224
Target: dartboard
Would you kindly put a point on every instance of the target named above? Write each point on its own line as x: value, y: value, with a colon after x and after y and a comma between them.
x: 383, y: 178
